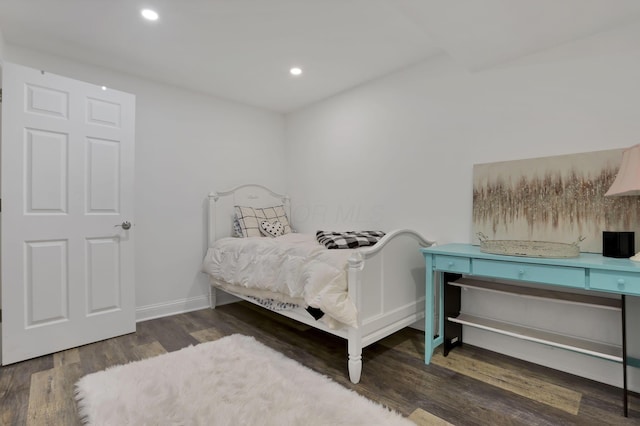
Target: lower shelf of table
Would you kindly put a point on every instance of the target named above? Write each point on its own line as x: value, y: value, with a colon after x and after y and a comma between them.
x: 575, y: 344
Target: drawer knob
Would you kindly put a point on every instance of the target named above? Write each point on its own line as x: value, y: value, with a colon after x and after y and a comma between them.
x: 620, y: 283
x: 521, y: 272
x: 450, y: 264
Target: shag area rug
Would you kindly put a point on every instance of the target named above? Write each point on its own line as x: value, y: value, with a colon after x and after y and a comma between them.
x: 231, y: 381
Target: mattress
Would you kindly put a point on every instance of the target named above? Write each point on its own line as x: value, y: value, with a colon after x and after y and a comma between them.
x: 293, y: 268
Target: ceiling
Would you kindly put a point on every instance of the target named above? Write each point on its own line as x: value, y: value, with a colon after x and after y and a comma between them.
x: 242, y: 49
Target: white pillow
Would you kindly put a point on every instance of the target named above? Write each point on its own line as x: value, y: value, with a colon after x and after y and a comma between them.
x: 249, y: 219
x: 271, y: 229
x: 275, y: 213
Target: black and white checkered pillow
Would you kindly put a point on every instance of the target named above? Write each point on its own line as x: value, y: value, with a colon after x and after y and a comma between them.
x: 348, y: 239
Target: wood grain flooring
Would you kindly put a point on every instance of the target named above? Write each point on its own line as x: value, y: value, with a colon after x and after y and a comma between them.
x: 471, y: 386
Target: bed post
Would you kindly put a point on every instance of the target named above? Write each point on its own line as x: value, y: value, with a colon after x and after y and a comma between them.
x: 354, y: 336
x: 355, y: 354
x: 213, y: 197
x: 211, y: 230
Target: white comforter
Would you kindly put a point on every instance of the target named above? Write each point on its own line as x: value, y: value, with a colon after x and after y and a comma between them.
x: 291, y: 268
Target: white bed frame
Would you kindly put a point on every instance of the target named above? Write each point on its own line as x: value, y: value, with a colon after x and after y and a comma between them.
x: 386, y: 282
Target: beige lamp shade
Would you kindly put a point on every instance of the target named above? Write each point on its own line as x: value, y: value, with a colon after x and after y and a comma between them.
x: 628, y: 179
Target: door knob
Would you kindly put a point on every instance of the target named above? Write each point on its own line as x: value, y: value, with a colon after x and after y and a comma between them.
x: 125, y: 225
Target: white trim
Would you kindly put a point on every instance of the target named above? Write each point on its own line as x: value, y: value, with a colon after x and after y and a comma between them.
x: 165, y: 309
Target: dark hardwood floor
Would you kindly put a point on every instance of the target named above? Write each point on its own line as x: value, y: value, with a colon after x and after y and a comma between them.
x: 471, y: 386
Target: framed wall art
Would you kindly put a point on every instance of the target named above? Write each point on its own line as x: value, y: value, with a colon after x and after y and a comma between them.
x: 555, y: 199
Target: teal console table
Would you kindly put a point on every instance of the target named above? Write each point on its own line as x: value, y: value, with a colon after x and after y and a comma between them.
x: 588, y: 272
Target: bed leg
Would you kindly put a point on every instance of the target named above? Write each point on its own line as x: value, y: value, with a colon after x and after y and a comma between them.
x: 355, y: 355
x: 212, y: 297
x: 355, y: 368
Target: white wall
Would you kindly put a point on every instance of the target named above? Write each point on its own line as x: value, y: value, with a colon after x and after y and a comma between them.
x: 403, y: 147
x: 187, y: 144
x: 399, y: 151
x: 1, y: 45
x: 1, y: 58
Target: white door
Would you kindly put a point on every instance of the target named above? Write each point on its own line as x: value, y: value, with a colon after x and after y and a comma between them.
x: 67, y: 182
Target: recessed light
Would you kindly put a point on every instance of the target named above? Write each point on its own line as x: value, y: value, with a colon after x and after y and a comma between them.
x: 149, y: 14
x: 104, y: 87
x: 295, y: 71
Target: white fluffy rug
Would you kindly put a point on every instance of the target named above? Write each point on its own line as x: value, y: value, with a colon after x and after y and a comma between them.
x: 231, y: 381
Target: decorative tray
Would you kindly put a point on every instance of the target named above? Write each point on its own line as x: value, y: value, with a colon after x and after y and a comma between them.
x: 526, y: 248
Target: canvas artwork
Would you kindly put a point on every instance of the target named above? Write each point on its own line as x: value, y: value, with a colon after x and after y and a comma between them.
x: 558, y: 199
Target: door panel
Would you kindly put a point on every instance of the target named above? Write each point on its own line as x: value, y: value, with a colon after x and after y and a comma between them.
x: 103, y: 275
x: 45, y: 164
x: 46, y: 282
x: 67, y: 182
x: 103, y: 168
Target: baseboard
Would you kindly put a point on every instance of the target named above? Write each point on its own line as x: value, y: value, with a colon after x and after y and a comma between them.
x: 418, y: 325
x: 159, y: 310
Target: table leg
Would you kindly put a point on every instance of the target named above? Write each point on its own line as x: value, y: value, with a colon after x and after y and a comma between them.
x: 430, y: 341
x: 624, y: 357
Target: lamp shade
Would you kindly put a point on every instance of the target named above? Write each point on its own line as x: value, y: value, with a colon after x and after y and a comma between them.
x: 628, y: 179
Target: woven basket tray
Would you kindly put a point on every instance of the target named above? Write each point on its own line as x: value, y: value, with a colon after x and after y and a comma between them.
x: 529, y: 248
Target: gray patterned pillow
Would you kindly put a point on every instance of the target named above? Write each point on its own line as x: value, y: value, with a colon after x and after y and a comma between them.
x: 237, y: 229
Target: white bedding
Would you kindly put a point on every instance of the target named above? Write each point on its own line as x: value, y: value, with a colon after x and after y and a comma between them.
x: 291, y: 268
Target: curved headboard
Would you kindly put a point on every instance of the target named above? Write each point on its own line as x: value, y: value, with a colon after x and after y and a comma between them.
x: 221, y: 205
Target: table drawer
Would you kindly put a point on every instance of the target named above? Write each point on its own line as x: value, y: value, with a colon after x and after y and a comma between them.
x: 461, y: 265
x: 547, y: 274
x: 618, y: 282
